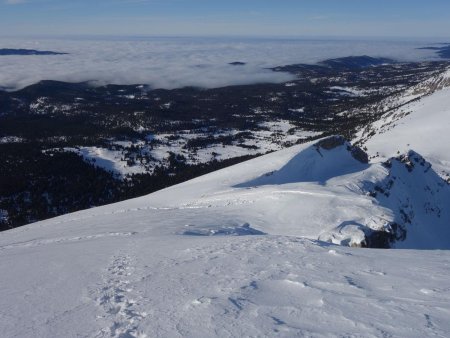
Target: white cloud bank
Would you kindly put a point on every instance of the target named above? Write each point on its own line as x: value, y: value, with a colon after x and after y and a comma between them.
x: 172, y: 62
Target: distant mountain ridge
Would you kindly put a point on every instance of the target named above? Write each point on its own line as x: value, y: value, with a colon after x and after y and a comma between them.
x: 442, y: 51
x: 9, y: 51
x: 355, y: 62
x: 348, y: 63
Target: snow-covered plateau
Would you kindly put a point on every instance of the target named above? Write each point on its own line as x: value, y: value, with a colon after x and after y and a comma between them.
x: 269, y: 247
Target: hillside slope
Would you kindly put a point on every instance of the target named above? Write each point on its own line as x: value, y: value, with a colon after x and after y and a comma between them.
x: 423, y: 124
x: 250, y: 250
x: 233, y: 253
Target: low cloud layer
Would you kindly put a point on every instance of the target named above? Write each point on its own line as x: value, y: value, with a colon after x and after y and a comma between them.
x: 171, y: 63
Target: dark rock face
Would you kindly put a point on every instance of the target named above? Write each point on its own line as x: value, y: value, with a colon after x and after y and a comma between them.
x: 359, y: 154
x: 331, y: 142
x: 385, y: 239
x: 7, y: 51
x: 337, y: 141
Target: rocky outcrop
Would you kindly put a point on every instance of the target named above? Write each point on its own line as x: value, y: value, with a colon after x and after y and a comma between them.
x: 333, y: 142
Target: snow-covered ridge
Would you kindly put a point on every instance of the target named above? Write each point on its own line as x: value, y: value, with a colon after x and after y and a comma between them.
x: 422, y: 125
x: 325, y: 190
x: 418, y: 197
x: 435, y: 83
x: 317, y: 163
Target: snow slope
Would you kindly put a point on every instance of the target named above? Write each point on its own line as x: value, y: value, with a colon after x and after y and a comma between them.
x: 422, y: 125
x: 234, y: 253
x: 141, y: 285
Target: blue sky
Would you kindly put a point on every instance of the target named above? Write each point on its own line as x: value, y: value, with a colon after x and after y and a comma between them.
x: 359, y: 18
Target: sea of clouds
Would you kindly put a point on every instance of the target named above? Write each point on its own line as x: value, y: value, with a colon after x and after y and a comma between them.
x: 178, y: 62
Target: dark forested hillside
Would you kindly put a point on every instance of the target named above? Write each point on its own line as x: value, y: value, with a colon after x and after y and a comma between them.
x: 71, y: 146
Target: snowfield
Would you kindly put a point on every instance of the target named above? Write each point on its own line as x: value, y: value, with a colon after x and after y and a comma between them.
x: 140, y: 285
x: 264, y: 248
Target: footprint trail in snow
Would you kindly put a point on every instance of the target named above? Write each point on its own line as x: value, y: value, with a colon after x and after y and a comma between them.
x: 119, y: 301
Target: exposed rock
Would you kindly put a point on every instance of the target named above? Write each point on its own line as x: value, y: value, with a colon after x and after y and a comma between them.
x: 384, y: 239
x: 359, y: 154
x: 337, y: 141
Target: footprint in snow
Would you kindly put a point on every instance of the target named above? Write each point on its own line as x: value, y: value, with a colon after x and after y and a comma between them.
x: 120, y: 306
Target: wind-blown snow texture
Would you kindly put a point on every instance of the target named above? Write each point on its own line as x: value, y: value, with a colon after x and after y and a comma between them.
x: 236, y: 252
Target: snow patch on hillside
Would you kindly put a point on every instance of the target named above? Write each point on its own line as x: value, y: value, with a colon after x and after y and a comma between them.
x: 109, y: 160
